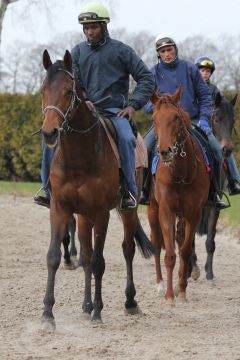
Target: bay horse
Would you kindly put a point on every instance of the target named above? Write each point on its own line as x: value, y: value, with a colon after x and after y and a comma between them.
x: 222, y: 124
x: 181, y: 190
x: 84, y: 180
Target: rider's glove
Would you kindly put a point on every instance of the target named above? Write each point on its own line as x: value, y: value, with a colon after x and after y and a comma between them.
x: 204, y: 125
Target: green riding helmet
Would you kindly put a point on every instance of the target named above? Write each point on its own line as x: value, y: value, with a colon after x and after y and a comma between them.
x: 205, y: 62
x: 94, y: 12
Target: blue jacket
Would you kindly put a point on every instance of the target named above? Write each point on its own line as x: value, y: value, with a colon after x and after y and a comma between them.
x: 195, y: 99
x: 104, y: 71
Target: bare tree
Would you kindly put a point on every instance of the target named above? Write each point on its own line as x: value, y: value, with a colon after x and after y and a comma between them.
x: 3, y: 8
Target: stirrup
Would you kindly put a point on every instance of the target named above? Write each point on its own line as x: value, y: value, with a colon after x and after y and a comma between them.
x: 127, y: 207
x: 221, y: 193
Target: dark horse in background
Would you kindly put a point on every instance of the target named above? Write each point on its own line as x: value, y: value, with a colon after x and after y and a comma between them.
x: 85, y: 180
x: 180, y: 191
x: 222, y: 124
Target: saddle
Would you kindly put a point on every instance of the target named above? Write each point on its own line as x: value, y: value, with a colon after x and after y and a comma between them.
x: 140, y: 151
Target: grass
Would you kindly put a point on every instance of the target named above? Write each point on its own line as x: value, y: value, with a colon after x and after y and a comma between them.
x: 19, y: 188
x: 231, y: 215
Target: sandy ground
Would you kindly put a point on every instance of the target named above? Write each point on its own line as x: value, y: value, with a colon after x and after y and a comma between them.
x: 206, y: 327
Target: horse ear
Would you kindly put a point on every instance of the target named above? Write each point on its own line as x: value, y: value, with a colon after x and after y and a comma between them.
x: 177, y: 95
x: 68, y: 60
x: 218, y: 99
x: 233, y: 101
x: 47, y: 62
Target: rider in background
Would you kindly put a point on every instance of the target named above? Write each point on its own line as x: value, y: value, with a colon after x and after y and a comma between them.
x: 207, y: 67
x: 169, y: 73
x: 103, y: 66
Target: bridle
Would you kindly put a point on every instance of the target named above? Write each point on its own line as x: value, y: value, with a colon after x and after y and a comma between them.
x: 75, y: 101
x: 178, y: 147
x: 181, y: 139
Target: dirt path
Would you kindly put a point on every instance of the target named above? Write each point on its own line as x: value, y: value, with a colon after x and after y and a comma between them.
x: 207, y: 327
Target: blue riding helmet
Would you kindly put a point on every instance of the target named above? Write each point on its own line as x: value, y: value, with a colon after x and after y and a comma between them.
x: 205, y: 62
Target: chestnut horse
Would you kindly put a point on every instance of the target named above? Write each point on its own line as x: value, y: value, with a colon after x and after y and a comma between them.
x: 84, y: 180
x: 180, y: 191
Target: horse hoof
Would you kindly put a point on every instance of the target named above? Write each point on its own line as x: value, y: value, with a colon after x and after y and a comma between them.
x: 182, y: 297
x: 96, y: 318
x: 75, y: 261
x: 48, y: 325
x: 176, y: 290
x: 70, y: 266
x: 160, y: 288
x: 132, y: 311
x: 170, y: 302
x: 209, y: 276
x: 195, y: 273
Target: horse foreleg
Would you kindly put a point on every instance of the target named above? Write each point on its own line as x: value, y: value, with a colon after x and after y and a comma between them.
x: 210, y: 241
x: 85, y: 239
x: 58, y: 230
x: 167, y: 222
x: 98, y: 262
x: 185, y: 253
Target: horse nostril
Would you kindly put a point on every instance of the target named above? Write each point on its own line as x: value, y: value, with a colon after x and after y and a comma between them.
x: 164, y: 153
x: 50, y: 137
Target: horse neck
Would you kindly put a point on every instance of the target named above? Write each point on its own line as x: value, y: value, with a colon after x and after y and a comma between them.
x: 184, y: 162
x: 84, y: 140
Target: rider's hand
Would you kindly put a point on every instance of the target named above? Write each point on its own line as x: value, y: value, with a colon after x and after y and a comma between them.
x: 204, y: 125
x: 128, y: 112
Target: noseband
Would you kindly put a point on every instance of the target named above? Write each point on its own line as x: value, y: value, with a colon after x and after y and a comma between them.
x: 65, y: 127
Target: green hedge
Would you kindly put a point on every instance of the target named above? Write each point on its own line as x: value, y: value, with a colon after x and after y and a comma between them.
x: 20, y: 152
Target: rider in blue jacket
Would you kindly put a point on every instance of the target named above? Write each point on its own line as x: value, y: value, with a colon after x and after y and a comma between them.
x: 169, y: 73
x: 103, y: 66
x: 207, y: 67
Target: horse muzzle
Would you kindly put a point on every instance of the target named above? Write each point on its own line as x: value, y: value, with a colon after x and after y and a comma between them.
x: 167, y: 155
x: 51, y: 137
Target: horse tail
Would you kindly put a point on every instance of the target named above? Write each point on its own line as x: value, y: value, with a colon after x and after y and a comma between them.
x: 202, y: 227
x: 144, y: 245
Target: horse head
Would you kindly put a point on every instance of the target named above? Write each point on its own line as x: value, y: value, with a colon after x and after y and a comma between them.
x: 59, y: 97
x: 169, y: 121
x: 223, y: 122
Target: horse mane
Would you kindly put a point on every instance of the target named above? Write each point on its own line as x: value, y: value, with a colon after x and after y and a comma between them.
x: 169, y: 99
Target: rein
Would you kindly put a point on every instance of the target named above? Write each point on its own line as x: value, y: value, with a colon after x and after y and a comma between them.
x: 66, y: 116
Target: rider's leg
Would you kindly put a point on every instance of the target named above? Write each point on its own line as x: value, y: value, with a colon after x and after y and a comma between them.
x: 151, y: 144
x: 126, y: 146
x: 217, y: 150
x: 233, y: 175
x: 47, y: 155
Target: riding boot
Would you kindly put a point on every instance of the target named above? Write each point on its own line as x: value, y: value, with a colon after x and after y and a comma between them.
x: 42, y: 200
x: 218, y: 202
x: 233, y: 187
x: 128, y: 201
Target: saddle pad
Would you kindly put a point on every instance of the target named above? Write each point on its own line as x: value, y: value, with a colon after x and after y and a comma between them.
x: 205, y: 147
x: 140, y: 151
